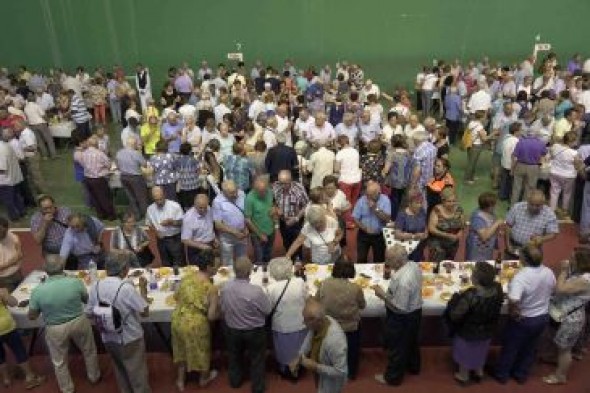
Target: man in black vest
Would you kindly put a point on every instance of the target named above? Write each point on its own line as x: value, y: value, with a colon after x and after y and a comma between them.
x: 143, y: 84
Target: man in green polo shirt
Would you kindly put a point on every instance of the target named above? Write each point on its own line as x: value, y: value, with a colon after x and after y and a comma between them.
x: 59, y: 299
x: 260, y: 216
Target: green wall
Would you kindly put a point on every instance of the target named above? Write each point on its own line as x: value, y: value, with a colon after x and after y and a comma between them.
x: 390, y: 38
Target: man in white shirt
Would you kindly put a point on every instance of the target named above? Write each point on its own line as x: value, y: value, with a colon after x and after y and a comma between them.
x: 321, y: 131
x: 368, y: 89
x: 529, y: 294
x: 204, y: 70
x: 36, y: 119
x: 391, y: 128
x: 480, y: 100
x: 347, y: 166
x: 428, y: 89
x: 221, y: 109
x: 412, y: 127
x: 256, y: 107
x: 349, y: 128
x: 187, y: 110
x: 165, y: 218
x: 283, y: 123
x: 10, y: 178
x: 303, y: 124
x: 320, y: 165
x: 45, y: 100
x: 510, y: 141
x: 28, y: 144
x: 369, y: 129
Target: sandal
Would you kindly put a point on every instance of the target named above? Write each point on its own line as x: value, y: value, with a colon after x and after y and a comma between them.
x: 554, y: 380
x: 36, y: 381
x: 212, y: 375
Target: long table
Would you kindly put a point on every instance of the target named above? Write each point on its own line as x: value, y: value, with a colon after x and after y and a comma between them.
x: 437, y: 288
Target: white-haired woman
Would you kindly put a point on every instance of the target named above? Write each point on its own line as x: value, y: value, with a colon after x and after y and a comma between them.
x: 287, y: 295
x: 321, y: 234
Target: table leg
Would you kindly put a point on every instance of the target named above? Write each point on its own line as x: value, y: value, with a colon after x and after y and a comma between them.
x: 165, y: 339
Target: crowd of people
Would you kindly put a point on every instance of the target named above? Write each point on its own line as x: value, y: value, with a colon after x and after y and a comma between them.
x: 224, y: 160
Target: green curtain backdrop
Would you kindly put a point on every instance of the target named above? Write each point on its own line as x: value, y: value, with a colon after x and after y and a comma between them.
x: 389, y: 38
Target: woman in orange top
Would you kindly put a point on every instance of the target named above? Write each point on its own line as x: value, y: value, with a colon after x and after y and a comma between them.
x: 441, y: 180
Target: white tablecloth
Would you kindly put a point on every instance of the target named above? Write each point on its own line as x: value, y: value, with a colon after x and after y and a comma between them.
x: 62, y: 130
x: 161, y: 311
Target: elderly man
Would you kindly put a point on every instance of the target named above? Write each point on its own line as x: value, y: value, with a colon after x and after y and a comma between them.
x: 481, y: 100
x: 424, y: 157
x: 244, y: 307
x: 132, y: 164
x: 403, y: 304
x: 38, y: 123
x: 172, y: 132
x: 230, y: 222
x: 184, y: 84
x: 349, y: 128
x: 324, y: 350
x: 370, y: 214
x: 501, y: 126
x: 291, y: 200
x: 530, y: 222
x: 320, y: 164
x: 198, y: 233
x: 529, y: 294
x: 368, y: 128
x: 165, y: 218
x: 97, y: 166
x: 281, y: 157
x: 82, y: 242
x: 10, y: 178
x: 260, y: 215
x: 28, y: 144
x: 321, y: 131
x: 49, y: 225
x: 526, y: 161
x: 303, y: 124
x: 59, y: 299
x: 126, y: 346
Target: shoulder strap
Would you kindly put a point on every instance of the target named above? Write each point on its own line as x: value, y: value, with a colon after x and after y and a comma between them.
x: 127, y: 241
x: 280, y: 298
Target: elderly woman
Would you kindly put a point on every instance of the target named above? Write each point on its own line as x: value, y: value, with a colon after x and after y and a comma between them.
x: 11, y: 257
x: 572, y: 293
x: 165, y: 169
x: 337, y: 203
x: 150, y: 135
x: 562, y: 175
x: 372, y: 162
x: 197, y: 304
x: 473, y: 315
x: 321, y: 234
x: 441, y: 180
x: 130, y: 238
x: 410, y: 224
x: 445, y: 227
x: 482, y: 238
x: 287, y: 295
x: 188, y: 176
x: 343, y: 301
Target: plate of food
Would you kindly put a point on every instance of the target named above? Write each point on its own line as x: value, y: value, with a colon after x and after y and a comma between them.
x: 363, y: 282
x: 427, y: 292
x: 311, y: 268
x: 223, y: 271
x: 428, y: 280
x: 446, y: 296
x: 427, y: 267
x: 444, y: 280
x: 170, y: 301
x: 511, y: 264
x: 448, y: 266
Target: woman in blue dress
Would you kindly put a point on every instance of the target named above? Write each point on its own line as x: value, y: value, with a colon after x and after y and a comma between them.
x: 482, y: 238
x: 410, y: 224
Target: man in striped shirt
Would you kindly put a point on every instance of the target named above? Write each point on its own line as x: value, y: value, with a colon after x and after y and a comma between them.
x: 403, y: 303
x: 97, y: 167
x: 79, y: 113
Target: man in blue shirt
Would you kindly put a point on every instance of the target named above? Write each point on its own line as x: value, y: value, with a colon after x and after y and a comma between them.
x: 172, y: 132
x: 370, y: 214
x: 83, y: 240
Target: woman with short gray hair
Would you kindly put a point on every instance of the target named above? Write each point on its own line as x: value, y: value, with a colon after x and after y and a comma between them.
x: 287, y: 295
x: 321, y: 234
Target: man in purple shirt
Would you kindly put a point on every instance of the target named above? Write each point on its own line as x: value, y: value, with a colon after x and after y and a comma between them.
x: 244, y: 308
x: 526, y: 163
x: 184, y: 85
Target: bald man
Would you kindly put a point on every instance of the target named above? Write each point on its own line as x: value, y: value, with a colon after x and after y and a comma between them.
x: 330, y: 363
x: 529, y: 221
x: 371, y: 213
x: 230, y: 222
x: 132, y: 164
x: 403, y: 303
x: 198, y: 233
x: 165, y: 218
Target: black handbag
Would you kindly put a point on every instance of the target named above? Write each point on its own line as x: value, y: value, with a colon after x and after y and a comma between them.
x: 274, y: 309
x: 145, y: 257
